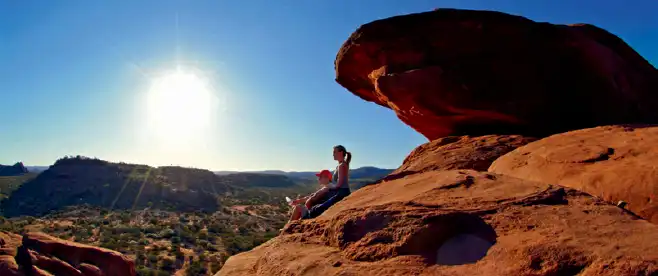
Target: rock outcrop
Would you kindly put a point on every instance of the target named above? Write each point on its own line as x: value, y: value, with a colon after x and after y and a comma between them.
x: 16, y: 169
x: 460, y: 72
x: 432, y: 219
x: 40, y: 254
x: 9, y: 242
x: 460, y: 222
x: 489, y: 75
x: 616, y: 163
x: 455, y: 152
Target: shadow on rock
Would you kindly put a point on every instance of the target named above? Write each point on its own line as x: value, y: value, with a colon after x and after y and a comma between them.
x: 451, y: 239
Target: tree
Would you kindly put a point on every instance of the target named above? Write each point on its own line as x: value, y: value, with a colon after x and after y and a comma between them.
x: 175, y: 240
x: 196, y: 268
x: 215, y: 267
x: 153, y: 259
x: 140, y: 258
x: 167, y: 264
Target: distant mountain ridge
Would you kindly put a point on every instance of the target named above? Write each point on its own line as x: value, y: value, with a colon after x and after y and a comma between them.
x: 20, y: 167
x: 80, y: 180
x: 16, y: 169
x: 362, y: 172
x: 36, y: 169
x: 249, y: 180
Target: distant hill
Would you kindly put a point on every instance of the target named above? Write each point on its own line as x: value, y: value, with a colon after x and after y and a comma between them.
x: 8, y: 184
x: 36, y: 169
x: 80, y: 180
x: 224, y: 172
x: 16, y: 169
x: 268, y: 172
x: 258, y: 180
x: 368, y: 172
x: 359, y: 177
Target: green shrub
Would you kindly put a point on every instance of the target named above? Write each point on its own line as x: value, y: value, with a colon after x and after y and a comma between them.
x: 153, y: 259
x: 167, y: 264
x: 196, y: 268
x: 215, y: 267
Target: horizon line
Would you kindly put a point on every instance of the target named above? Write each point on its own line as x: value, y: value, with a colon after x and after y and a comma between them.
x: 213, y: 170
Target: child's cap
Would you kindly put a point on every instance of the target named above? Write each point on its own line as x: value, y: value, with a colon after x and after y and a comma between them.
x: 324, y: 173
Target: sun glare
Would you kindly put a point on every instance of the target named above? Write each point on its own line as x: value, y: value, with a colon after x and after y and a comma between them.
x: 179, y: 107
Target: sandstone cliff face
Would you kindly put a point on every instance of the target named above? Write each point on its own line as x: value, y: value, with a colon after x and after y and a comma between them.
x: 482, y: 75
x: 40, y: 254
x: 458, y: 72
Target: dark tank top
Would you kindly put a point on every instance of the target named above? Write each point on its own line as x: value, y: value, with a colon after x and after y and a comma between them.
x: 345, y: 185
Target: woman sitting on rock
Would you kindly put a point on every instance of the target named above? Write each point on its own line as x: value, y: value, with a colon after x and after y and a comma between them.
x: 330, y: 193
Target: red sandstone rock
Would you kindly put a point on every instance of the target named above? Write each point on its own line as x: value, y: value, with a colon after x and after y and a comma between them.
x: 8, y: 266
x: 452, y: 72
x: 458, y: 152
x: 8, y: 244
x: 460, y: 223
x: 612, y: 162
x: 40, y: 254
x: 112, y: 263
x: 460, y: 72
x: 90, y: 270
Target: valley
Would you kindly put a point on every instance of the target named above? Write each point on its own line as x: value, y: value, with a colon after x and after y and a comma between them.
x: 170, y: 220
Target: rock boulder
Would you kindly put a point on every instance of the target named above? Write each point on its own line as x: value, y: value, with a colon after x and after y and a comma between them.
x: 460, y: 222
x: 616, y: 163
x: 458, y: 152
x: 462, y: 72
x: 41, y: 254
x: 489, y: 75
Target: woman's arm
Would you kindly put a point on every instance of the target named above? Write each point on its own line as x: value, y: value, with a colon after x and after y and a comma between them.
x: 305, y: 198
x: 302, y: 199
x: 342, y: 175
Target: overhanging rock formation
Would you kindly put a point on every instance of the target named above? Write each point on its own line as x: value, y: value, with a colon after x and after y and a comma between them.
x: 460, y: 72
x: 479, y: 75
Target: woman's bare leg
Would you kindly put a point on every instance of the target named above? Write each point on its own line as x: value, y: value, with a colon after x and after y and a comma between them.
x: 296, y: 213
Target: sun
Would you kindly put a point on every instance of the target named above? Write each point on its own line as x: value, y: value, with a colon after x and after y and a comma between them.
x: 179, y: 106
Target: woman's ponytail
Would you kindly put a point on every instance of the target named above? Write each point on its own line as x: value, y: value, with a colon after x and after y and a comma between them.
x: 346, y: 154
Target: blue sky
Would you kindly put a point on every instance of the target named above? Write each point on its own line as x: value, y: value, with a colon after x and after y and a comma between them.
x: 75, y: 78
